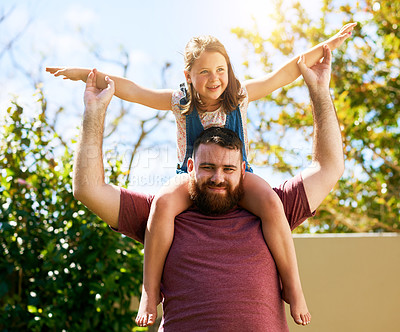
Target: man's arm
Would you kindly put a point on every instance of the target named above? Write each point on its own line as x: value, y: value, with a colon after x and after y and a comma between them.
x: 88, y: 177
x: 327, y: 157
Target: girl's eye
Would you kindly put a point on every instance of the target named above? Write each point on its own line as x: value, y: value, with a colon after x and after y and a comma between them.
x: 204, y: 72
x: 221, y: 69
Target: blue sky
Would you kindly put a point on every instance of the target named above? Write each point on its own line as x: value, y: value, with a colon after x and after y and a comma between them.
x: 153, y: 32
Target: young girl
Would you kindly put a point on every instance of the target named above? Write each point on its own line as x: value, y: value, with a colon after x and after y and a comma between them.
x: 214, y: 98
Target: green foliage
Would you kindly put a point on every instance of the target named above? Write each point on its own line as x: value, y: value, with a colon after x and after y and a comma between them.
x: 61, y: 268
x: 366, y: 89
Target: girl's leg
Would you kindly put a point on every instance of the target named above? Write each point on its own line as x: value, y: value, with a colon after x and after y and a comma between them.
x: 170, y: 201
x: 261, y: 200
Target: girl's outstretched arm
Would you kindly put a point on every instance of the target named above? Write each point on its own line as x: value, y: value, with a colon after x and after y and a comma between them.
x: 259, y: 88
x: 124, y: 88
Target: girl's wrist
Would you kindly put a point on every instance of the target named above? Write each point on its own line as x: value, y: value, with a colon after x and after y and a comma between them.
x: 84, y: 73
x: 330, y: 43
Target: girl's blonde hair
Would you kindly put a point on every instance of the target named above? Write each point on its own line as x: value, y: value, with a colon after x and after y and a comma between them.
x: 232, y: 96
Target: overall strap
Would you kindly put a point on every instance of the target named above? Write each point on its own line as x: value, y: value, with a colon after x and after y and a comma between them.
x: 194, y: 128
x: 234, y: 122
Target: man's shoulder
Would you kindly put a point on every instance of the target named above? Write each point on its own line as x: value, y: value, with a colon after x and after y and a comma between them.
x: 133, y: 213
x: 293, y: 183
x: 133, y: 194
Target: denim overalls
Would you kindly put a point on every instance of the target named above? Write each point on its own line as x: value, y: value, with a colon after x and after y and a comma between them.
x: 194, y: 127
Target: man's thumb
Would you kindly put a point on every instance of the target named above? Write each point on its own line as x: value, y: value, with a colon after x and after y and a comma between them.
x: 301, y: 64
x: 110, y: 84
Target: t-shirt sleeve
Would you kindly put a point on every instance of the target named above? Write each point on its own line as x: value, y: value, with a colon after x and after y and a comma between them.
x: 177, y: 95
x: 134, y: 211
x: 245, y: 102
x: 294, y: 200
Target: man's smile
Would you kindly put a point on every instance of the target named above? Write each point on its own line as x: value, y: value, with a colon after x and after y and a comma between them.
x: 217, y: 188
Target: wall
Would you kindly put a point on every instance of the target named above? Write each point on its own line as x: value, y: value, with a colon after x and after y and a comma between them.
x: 351, y: 282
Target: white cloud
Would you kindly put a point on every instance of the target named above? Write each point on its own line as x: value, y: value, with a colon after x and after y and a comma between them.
x: 80, y: 16
x: 16, y: 20
x: 140, y: 57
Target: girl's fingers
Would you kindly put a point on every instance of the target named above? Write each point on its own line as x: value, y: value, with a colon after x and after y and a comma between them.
x: 55, y: 71
x: 52, y: 70
x: 347, y: 28
x: 345, y: 35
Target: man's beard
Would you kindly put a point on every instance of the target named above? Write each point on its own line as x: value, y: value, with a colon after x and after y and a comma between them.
x: 213, y: 203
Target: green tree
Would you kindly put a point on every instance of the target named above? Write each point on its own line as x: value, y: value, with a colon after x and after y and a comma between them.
x: 366, y: 89
x: 61, y: 268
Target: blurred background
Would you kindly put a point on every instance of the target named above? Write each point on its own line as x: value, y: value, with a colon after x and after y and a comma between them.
x: 61, y: 267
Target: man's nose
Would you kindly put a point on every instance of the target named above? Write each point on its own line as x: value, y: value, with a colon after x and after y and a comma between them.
x: 218, y: 176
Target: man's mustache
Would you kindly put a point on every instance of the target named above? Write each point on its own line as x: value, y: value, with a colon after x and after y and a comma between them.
x: 216, y: 185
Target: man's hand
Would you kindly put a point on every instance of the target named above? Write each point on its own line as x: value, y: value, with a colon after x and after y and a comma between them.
x: 318, y: 76
x: 95, y: 98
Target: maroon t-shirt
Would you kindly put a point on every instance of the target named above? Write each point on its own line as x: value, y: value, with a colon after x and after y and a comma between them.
x: 219, y: 274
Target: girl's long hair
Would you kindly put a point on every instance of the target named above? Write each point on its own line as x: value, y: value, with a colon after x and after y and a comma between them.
x: 232, y: 96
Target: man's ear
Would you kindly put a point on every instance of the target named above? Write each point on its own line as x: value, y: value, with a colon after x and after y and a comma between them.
x: 187, y: 76
x: 243, y: 169
x: 190, y: 165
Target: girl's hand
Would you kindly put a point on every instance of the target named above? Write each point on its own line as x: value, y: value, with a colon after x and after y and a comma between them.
x: 344, y: 33
x: 73, y: 74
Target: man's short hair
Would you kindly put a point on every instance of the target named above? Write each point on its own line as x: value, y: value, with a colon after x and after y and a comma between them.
x: 223, y: 137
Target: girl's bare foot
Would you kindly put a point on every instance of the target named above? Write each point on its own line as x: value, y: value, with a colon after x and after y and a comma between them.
x: 298, y: 306
x: 147, y: 312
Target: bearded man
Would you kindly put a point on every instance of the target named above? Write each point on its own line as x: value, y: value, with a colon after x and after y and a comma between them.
x: 213, y: 193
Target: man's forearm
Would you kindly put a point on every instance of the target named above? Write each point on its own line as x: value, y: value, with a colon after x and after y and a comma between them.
x: 88, y: 183
x: 88, y: 163
x: 327, y: 146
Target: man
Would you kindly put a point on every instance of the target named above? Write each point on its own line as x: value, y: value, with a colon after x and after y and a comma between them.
x: 219, y: 274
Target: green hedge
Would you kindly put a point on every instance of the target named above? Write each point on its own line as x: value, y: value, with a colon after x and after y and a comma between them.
x: 61, y: 268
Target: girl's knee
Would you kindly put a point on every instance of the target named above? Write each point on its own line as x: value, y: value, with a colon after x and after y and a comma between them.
x: 172, y: 201
x: 163, y: 202
x: 272, y: 200
x: 260, y: 198
x: 268, y: 197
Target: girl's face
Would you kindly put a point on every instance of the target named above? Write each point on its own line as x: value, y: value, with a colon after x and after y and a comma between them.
x: 209, y: 76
